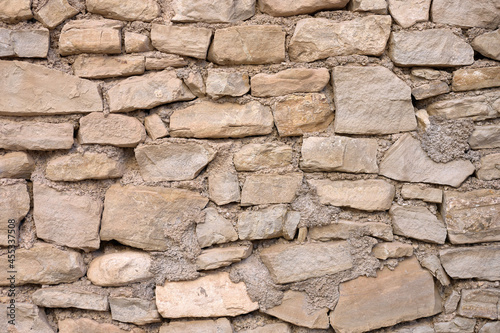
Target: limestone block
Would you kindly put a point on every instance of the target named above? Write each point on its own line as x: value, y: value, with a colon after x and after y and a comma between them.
x: 458, y: 324
x: 184, y: 40
x: 477, y: 78
x: 451, y: 303
x: 490, y: 167
x: 76, y: 167
x: 28, y: 318
x: 195, y: 83
x: 155, y: 126
x: 210, y: 11
x: 15, y: 203
x: 407, y: 13
x: 221, y: 257
x: 219, y: 84
x: 417, y: 222
x: 221, y: 325
x: 430, y: 90
x: 487, y: 136
x: 61, y: 297
x: 166, y: 61
x: 55, y: 12
x: 270, y: 188
x: 490, y: 327
x: 223, y: 187
x: 271, y: 222
x: 270, y: 328
x: 215, y: 230
x: 16, y: 165
x: 427, y: 194
x: 347, y: 229
x: 374, y: 6
x: 384, y: 251
x: 479, y: 107
x: 135, y: 43
x: 12, y: 11
x: 97, y: 67
x: 472, y: 262
x: 134, y: 310
x: 466, y: 13
x: 255, y: 156
x: 479, y: 303
x: 488, y: 44
x: 32, y: 43
x: 290, y: 8
x: 85, y: 325
x: 125, y: 10
x: 35, y: 135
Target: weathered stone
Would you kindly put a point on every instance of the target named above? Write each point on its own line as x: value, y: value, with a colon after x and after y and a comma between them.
x: 407, y: 13
x: 290, y: 8
x: 427, y: 194
x: 348, y: 229
x: 218, y: 11
x: 184, y: 40
x: 417, y: 222
x: 85, y: 325
x: 381, y: 103
x: 433, y: 264
x: 221, y: 325
x: 223, y: 187
x: 406, y: 160
x: 384, y: 251
x: 466, y: 13
x: 91, y: 36
x: 296, y: 115
x: 406, y: 293
x: 430, y: 90
x: 66, y: 219
x: 144, y: 217
x: 289, y: 81
x: 126, y: 10
x: 457, y: 325
x: 28, y: 318
x: 270, y: 328
x: 43, y: 264
x: 310, y: 260
x: 98, y: 67
x: 490, y: 327
x: 302, y: 235
x: 148, y: 91
x: 270, y: 188
x: 472, y: 262
x: 248, y: 45
x: 171, y: 161
x: 15, y: 203
x: 222, y: 257
x: 420, y: 327
x: 370, y: 195
x: 423, y: 120
x: 134, y: 310
x: 135, y: 43
x: 292, y: 220
x: 76, y: 167
x: 294, y: 309
x: 211, y: 120
x: 59, y: 297
x: 476, y: 78
x: 480, y: 303
x: 27, y: 89
x: 215, y: 229
x: 155, y: 127
x: 194, y: 81
x: 374, y: 6
x: 221, y: 84
x: 112, y: 129
x: 255, y: 156
x: 264, y: 224
x: 472, y: 217
x: 166, y: 61
x: 336, y: 153
x: 434, y: 47
x: 120, y: 268
x: 480, y: 107
x: 55, y: 12
x: 490, y: 167
x: 16, y: 165
x: 12, y: 11
x: 320, y: 38
x: 33, y: 43
x: 488, y: 44
x: 487, y: 136
x: 427, y: 73
x: 213, y: 295
x: 451, y: 303
x: 35, y: 135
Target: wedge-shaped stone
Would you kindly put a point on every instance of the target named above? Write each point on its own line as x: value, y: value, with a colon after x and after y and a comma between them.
x: 480, y: 107
x: 248, y: 45
x: 223, y: 187
x: 348, y: 229
x: 66, y: 219
x: 290, y: 8
x: 221, y: 325
x: 28, y: 318
x: 407, y: 161
x: 135, y: 43
x: 134, y: 310
x: 269, y: 189
x: 219, y: 84
x: 255, y: 156
x: 370, y: 195
x: 55, y: 12
x: 289, y: 81
x: 472, y: 262
x: 270, y: 328
x: 466, y: 13
x: 406, y: 293
x: 215, y: 230
x: 144, y: 217
x: 490, y: 167
x: 458, y: 324
x: 320, y: 38
x: 488, y: 44
x: 384, y: 251
x: 476, y: 78
x: 15, y: 203
x: 155, y: 127
x: 374, y: 6
x: 98, y: 67
x: 126, y: 10
x: 430, y: 90
x: 60, y: 297
x: 267, y: 223
x: 435, y: 48
x: 433, y: 264
x: 172, y: 161
x: 218, y: 11
x: 33, y: 43
x: 472, y: 217
x: 427, y: 194
x: 88, y: 326
x: 213, y: 295
x: 194, y: 81
x: 16, y: 165
x: 485, y: 137
x: 76, y: 167
x: 222, y: 257
x: 417, y: 222
x: 407, y: 13
x: 35, y: 135
x: 371, y: 100
x: 184, y: 40
x: 480, y: 303
x: 27, y: 89
x: 43, y: 264
x: 148, y: 91
x: 12, y: 11
x: 211, y: 120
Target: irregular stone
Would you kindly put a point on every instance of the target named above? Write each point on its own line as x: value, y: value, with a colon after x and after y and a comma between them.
x: 98, y: 67
x: 255, y: 156
x: 369, y: 195
x: 424, y: 327
x: 28, y: 90
x: 228, y: 120
x: 126, y: 10
x: 173, y: 161
x: 184, y: 40
x: 480, y: 303
x: 430, y: 90
x: 262, y: 224
x: 406, y: 159
x: 490, y: 327
x: 296, y: 115
x: 348, y: 229
x: 426, y: 73
x: 35, y: 135
x: 427, y: 194
x: 222, y: 257
x: 294, y: 309
x: 168, y: 60
x: 155, y: 126
x: 472, y: 217
x: 12, y: 11
x: 76, y: 167
x: 270, y: 328
x: 15, y: 203
x: 213, y: 295
x: 384, y: 251
x: 149, y: 222
x: 487, y: 136
x: 407, y: 13
x: 457, y: 325
x: 403, y: 294
x: 270, y: 188
x: 320, y: 38
x: 423, y: 120
x: 472, y: 262
x: 248, y: 45
x: 33, y: 43
x: 91, y: 36
x: 433, y: 47
x: 134, y: 310
x: 377, y: 88
x: 28, y: 318
x: 336, y: 153
x: 66, y: 219
x: 210, y: 11
x: 490, y: 167
x: 451, y: 303
x: 60, y: 297
x: 290, y: 8
x: 223, y: 187
x: 374, y: 6
x: 55, y: 12
x: 120, y: 268
x: 466, y: 13
x: 221, y: 325
x: 292, y: 220
x: 16, y: 165
x: 433, y: 264
x: 43, y: 264
x: 112, y: 129
x: 221, y: 84
x: 417, y: 222
x: 488, y: 44
x: 194, y: 81
x: 215, y: 229
x: 85, y: 325
x: 136, y: 43
x: 480, y: 107
x: 476, y: 78
x: 289, y: 81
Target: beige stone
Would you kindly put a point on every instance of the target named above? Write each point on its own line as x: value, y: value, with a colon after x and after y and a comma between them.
x: 228, y: 120
x: 215, y: 229
x: 417, y: 222
x: 136, y: 43
x: 384, y: 251
x: 269, y: 328
x: 166, y: 61
x: 490, y: 167
x: 85, y: 325
x: 271, y: 222
x: 15, y: 203
x: 374, y: 6
x: 126, y: 10
x: 155, y: 126
x: 423, y: 119
x: 213, y: 11
x: 419, y: 327
x: 76, y: 167
x: 371, y: 100
x: 120, y: 268
x: 472, y: 262
x: 221, y: 325
x: 466, y: 13
x: 347, y: 229
x: 194, y: 81
x: 487, y: 136
x: 16, y: 165
x: 476, y: 78
x: 427, y: 73
x: 223, y: 187
x: 12, y: 11
x: 134, y: 310
x: 184, y: 40
x: 66, y: 219
x: 429, y: 90
x: 320, y: 38
x: 433, y: 264
x: 270, y: 188
x: 255, y: 156
x: 91, y: 36
x: 248, y: 45
x: 35, y: 135
x: 219, y: 84
x: 295, y: 115
x: 289, y: 81
x: 490, y: 327
x: 479, y: 107
x: 290, y: 8
x: 213, y: 295
x: 221, y: 257
x: 60, y: 297
x: 32, y: 43
x: 451, y: 303
x: 173, y: 161
x: 488, y: 44
x: 112, y: 129
x: 406, y: 293
x: 407, y: 13
x: 369, y: 195
x: 28, y: 89
x: 55, y: 12
x: 28, y: 318
x: 428, y: 194
x: 458, y: 324
x: 480, y: 303
x: 98, y: 67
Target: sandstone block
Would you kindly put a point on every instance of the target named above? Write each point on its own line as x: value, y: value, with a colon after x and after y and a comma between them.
x: 254, y: 156
x: 223, y: 187
x: 427, y: 194
x: 269, y: 189
x: 290, y: 8
x: 12, y: 11
x: 184, y: 40
x: 480, y: 107
x: 490, y: 167
x: 221, y: 84
x: 98, y: 67
x: 490, y: 327
x: 407, y: 13
x: 466, y: 13
x: 33, y: 43
x: 29, y: 318
x: 487, y: 136
x: 16, y: 165
x: 270, y: 328
x: 458, y: 324
x: 348, y: 229
x: 136, y: 43
x: 126, y: 10
x: 477, y: 78
x: 166, y: 61
x: 210, y: 11
x: 215, y: 230
x: 221, y: 257
x: 55, y: 12
x: 15, y: 203
x: 384, y: 251
x: 35, y: 135
x: 430, y: 90
x: 85, y: 325
x: 472, y: 262
x: 374, y: 6
x: 417, y: 222
x: 155, y: 126
x: 60, y: 297
x: 488, y: 44
x: 76, y: 167
x: 134, y: 310
x: 289, y: 81
x: 267, y: 223
x: 221, y: 325
x: 480, y: 303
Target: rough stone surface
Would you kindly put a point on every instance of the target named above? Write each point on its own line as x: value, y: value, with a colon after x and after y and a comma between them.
x: 223, y: 187
x: 490, y: 327
x: 480, y: 303
x: 16, y: 165
x: 255, y: 156
x: 374, y: 6
x: 221, y: 257
x: 76, y: 167
x: 127, y: 10
x: 270, y: 328
x: 219, y: 84
x: 477, y: 78
x: 490, y: 167
x: 136, y: 43
x: 155, y: 127
x: 85, y: 325
x: 466, y: 13
x: 488, y: 44
x: 58, y: 297
x: 428, y: 194
x: 290, y: 8
x: 33, y: 43
x: 384, y: 251
x: 417, y: 222
x: 472, y: 262
x: 15, y: 203
x: 168, y: 60
x: 184, y: 40
x: 35, y: 135
x: 433, y: 264
x: 98, y: 67
x: 194, y: 81
x: 487, y: 136
x: 218, y: 11
x: 451, y: 303
x: 262, y: 224
x: 457, y: 325
x: 473, y: 107
x: 29, y: 318
x: 430, y: 90
x: 221, y: 325
x: 269, y: 189
x: 12, y: 11
x: 407, y: 13
x: 134, y: 310
x: 347, y: 229
x: 55, y: 12
x: 215, y: 230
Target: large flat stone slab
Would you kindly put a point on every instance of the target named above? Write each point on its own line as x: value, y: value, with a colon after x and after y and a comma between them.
x: 289, y: 81
x: 479, y: 107
x: 270, y: 188
x: 35, y: 135
x: 466, y: 13
x: 76, y: 167
x: 210, y: 11
x: 290, y: 8
x: 60, y: 297
x: 184, y: 40
x: 347, y: 229
x: 417, y: 222
x: 33, y: 43
x: 126, y: 10
x: 481, y: 262
x: 15, y: 203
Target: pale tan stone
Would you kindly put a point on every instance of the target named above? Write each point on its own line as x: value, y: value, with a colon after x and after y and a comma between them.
x: 254, y: 156
x: 98, y: 67
x: 433, y: 264
x: 215, y: 230
x: 55, y: 12
x: 76, y: 167
x: 480, y: 107
x: 289, y: 81
x: 490, y: 167
x: 423, y: 119
x: 476, y: 78
x: 374, y: 6
x: 134, y: 310
x: 195, y: 83
x: 136, y: 43
x: 270, y: 188
x: 166, y: 61
x: 480, y: 303
x: 27, y: 318
x: 267, y: 223
x: 490, y: 327
x: 458, y: 324
x: 12, y: 11
x: 420, y: 327
x: 430, y: 90
x: 155, y: 127
x: 35, y: 135
x: 183, y: 40
x: 85, y: 325
x: 348, y: 229
x: 32, y: 43
x: 426, y: 73
x: 219, y: 84
x: 487, y: 136
x: 451, y: 303
x: 269, y: 328
x: 481, y: 262
x: 427, y: 194
x: 221, y: 257
x: 302, y: 235
x: 417, y: 222
x: 213, y: 11
x: 488, y: 44
x: 290, y: 8
x: 466, y: 13
x: 15, y: 203
x: 384, y: 251
x: 223, y: 187
x: 126, y: 10
x: 408, y: 12
x: 221, y: 325
x: 60, y: 297
x: 16, y: 165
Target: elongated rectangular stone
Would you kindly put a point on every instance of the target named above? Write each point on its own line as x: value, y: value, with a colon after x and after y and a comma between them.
x: 487, y: 136
x: 427, y: 194
x: 60, y: 297
x: 466, y: 13
x: 12, y: 11
x: 289, y: 81
x: 76, y: 167
x: 213, y: 11
x: 268, y: 189
x: 134, y: 310
x: 126, y: 10
x: 183, y: 40
x: 290, y: 8
x: 221, y: 325
x: 35, y: 136
x: 480, y: 303
x: 476, y: 78
x: 24, y: 43
x: 484, y: 106
x: 481, y: 262
x: 98, y: 67
x: 417, y: 222
x: 347, y: 229
x: 221, y: 257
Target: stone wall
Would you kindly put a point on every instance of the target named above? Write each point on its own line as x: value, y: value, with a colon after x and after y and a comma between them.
x: 250, y: 166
